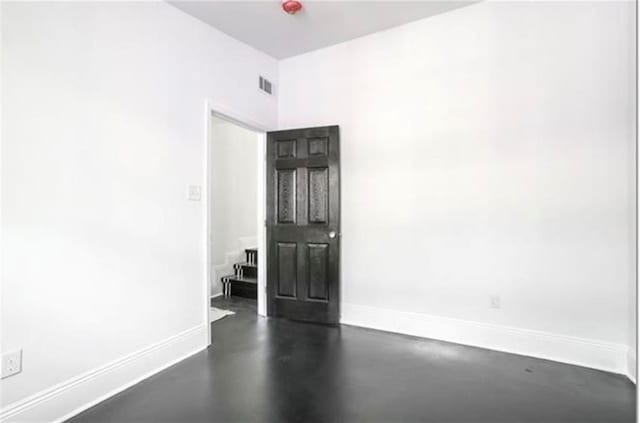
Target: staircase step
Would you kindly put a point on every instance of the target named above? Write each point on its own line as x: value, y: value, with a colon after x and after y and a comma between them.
x: 243, y: 287
x: 246, y: 270
x: 246, y: 279
x: 252, y: 255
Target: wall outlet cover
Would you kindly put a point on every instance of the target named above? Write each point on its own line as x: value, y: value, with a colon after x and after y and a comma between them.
x: 11, y: 363
x: 194, y: 193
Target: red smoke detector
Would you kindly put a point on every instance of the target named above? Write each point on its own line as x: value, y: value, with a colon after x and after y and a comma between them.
x: 291, y: 6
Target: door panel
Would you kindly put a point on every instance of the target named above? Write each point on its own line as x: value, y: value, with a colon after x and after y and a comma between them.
x: 303, y: 224
x: 286, y: 196
x: 287, y: 274
x: 318, y: 271
x: 286, y: 149
x: 318, y: 178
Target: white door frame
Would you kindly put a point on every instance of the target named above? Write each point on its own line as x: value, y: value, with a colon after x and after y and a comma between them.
x: 212, y: 109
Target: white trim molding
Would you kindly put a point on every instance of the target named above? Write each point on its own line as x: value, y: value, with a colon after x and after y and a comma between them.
x: 213, y: 108
x: 565, y: 349
x: 631, y: 364
x: 75, y: 395
x: 262, y: 223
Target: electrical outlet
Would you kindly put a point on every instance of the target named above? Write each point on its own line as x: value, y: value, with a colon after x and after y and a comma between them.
x: 194, y: 193
x: 11, y: 363
x: 494, y: 301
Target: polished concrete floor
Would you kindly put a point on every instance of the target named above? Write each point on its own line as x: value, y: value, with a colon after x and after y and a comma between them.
x: 271, y: 370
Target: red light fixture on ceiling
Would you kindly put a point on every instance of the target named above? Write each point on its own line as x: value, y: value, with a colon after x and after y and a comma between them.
x: 291, y: 6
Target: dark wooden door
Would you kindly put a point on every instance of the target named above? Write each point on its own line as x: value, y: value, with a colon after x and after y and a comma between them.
x: 303, y: 224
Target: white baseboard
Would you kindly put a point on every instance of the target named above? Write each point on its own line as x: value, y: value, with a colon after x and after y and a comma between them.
x: 631, y: 364
x: 69, y: 398
x: 566, y: 349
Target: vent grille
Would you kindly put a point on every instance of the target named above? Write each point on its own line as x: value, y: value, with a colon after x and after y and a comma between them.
x: 265, y: 85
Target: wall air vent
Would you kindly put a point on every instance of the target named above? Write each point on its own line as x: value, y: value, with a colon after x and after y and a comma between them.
x: 265, y: 85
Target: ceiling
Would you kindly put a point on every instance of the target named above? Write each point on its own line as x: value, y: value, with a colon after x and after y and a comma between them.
x: 263, y: 24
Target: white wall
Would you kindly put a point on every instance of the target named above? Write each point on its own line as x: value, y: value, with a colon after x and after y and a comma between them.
x: 234, y: 151
x: 489, y: 151
x: 486, y: 151
x: 103, y: 110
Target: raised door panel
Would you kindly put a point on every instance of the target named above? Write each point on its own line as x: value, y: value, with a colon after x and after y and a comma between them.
x: 318, y: 195
x: 318, y: 146
x: 286, y: 149
x: 318, y: 271
x: 286, y: 187
x: 287, y: 269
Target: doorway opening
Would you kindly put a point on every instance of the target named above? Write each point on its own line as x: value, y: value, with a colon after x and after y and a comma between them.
x: 235, y: 189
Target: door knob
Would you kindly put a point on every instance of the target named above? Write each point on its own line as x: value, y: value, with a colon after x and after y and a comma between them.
x: 332, y: 234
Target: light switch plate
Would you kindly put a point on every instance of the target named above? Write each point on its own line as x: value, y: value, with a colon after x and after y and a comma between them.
x: 11, y: 363
x: 494, y: 301
x: 194, y: 193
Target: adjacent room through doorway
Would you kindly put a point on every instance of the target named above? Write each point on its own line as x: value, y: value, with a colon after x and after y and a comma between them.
x: 234, y: 215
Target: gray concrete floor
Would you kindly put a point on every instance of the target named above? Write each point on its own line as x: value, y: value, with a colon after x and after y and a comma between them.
x: 261, y: 370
